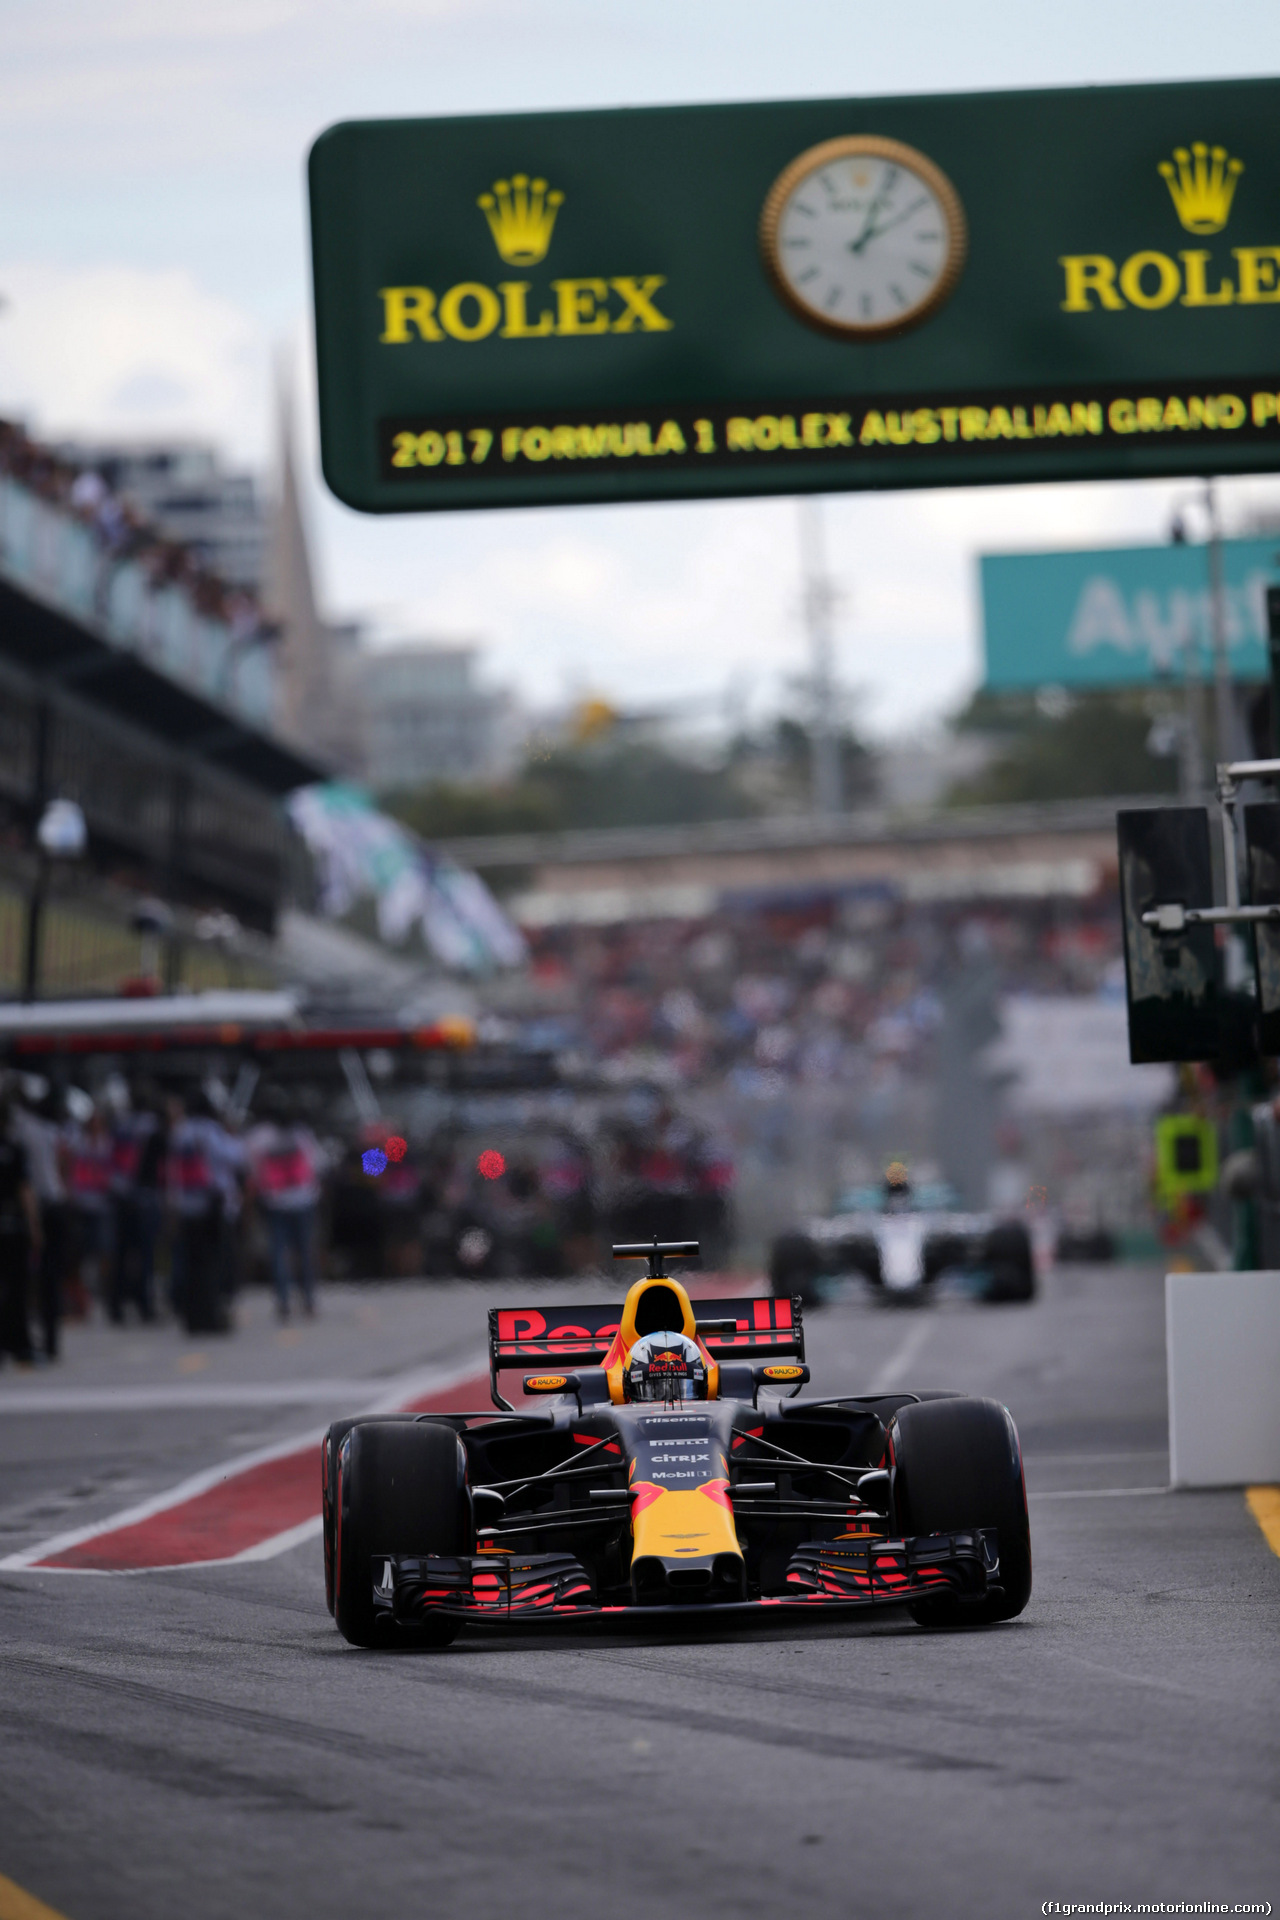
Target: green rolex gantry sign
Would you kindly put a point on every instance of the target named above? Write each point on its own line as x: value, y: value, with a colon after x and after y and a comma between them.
x: 674, y: 302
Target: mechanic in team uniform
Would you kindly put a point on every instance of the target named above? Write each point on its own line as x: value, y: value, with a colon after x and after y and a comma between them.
x: 203, y: 1167
x: 19, y: 1237
x: 139, y: 1147
x: 88, y: 1145
x: 286, y: 1163
x: 36, y: 1123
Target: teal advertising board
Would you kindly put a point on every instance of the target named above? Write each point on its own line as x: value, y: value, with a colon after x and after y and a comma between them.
x: 1122, y: 616
x: 677, y: 302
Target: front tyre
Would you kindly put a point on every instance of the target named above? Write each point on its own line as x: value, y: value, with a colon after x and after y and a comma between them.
x: 329, y: 1449
x: 958, y: 1464
x: 400, y: 1488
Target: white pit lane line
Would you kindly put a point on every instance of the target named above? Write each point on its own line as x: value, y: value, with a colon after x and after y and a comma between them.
x: 174, y: 1396
x: 1101, y: 1493
x: 902, y: 1359
x: 385, y: 1396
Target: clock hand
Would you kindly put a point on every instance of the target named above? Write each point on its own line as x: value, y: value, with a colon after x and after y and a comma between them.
x: 855, y: 246
x: 873, y: 233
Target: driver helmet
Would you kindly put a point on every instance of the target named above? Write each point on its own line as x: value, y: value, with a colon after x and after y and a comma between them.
x: 665, y: 1366
x: 897, y: 1186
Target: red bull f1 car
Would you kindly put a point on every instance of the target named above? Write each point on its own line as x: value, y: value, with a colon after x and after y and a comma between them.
x: 676, y: 1467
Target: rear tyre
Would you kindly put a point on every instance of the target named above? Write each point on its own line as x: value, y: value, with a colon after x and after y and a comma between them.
x: 958, y: 1464
x: 1012, y: 1267
x: 794, y: 1266
x: 400, y: 1488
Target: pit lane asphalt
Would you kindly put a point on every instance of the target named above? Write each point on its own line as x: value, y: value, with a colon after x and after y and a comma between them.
x: 203, y: 1742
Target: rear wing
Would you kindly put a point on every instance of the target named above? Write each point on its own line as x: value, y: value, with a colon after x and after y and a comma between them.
x: 581, y: 1336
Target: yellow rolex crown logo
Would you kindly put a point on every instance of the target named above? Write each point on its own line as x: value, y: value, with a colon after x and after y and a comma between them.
x: 521, y: 214
x: 1202, y: 185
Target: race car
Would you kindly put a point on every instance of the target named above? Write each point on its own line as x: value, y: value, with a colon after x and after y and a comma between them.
x: 901, y: 1240
x: 676, y: 1468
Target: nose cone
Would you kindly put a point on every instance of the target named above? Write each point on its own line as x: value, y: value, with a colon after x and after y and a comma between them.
x: 670, y: 1580
x: 685, y: 1545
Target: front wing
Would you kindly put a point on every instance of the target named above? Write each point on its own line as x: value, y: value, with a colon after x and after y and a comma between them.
x: 497, y: 1588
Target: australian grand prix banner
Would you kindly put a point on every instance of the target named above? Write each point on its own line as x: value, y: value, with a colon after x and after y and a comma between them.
x: 1123, y: 616
x: 698, y: 301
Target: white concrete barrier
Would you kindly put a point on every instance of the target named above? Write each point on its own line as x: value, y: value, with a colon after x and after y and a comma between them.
x: 1223, y: 1337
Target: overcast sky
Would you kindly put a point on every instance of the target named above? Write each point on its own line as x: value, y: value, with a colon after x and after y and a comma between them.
x: 154, y: 262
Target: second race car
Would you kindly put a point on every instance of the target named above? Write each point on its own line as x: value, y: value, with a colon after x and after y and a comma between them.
x: 902, y: 1240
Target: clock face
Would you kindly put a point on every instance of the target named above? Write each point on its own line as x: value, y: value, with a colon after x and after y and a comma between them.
x: 863, y: 237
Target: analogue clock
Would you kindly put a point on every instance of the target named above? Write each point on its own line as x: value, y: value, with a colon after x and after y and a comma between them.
x: 863, y: 237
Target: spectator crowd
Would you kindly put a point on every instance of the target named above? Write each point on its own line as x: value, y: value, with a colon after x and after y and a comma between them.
x: 825, y: 988
x: 122, y: 534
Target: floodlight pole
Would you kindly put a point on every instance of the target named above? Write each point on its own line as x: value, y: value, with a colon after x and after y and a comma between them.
x: 40, y: 878
x: 1273, y: 661
x: 819, y: 599
x: 1224, y: 707
x: 1190, y: 756
x: 35, y: 922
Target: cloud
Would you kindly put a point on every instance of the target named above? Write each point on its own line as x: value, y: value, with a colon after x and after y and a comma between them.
x: 121, y: 351
x: 667, y: 605
x: 224, y: 88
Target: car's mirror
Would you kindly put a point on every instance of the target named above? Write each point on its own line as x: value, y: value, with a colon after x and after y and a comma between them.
x: 780, y: 1373
x: 554, y: 1383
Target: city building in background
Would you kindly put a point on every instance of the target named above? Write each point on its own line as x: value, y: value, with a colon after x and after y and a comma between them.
x: 395, y: 717
x: 427, y: 718
x: 316, y: 687
x: 173, y: 555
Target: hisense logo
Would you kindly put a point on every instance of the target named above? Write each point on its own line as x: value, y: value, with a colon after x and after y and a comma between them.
x: 1202, y: 186
x: 521, y: 215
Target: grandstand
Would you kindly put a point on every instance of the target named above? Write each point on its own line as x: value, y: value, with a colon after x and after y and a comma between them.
x: 138, y: 685
x: 1060, y: 849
